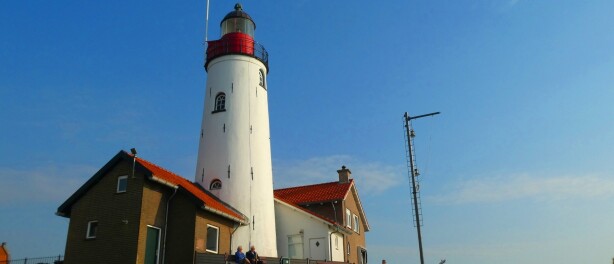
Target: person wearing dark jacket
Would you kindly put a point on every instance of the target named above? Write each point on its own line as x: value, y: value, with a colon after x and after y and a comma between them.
x: 252, y: 256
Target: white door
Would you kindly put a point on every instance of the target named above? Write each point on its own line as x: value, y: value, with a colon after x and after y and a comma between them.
x: 317, y: 248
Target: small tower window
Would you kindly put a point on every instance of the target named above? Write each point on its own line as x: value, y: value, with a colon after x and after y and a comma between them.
x: 215, y: 185
x: 220, y: 103
x: 261, y: 75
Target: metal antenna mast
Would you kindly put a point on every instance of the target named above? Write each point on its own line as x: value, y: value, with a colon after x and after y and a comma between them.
x: 415, y: 189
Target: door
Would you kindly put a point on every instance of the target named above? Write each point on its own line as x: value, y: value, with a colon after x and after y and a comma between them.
x: 362, y: 255
x: 152, y: 245
x: 317, y: 248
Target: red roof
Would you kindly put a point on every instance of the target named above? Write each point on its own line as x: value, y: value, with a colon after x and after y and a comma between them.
x: 322, y: 192
x: 4, y: 253
x: 189, y: 186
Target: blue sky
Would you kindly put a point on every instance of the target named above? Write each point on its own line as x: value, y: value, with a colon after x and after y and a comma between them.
x: 516, y: 169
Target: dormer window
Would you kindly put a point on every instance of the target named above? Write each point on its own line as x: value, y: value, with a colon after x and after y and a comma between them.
x: 215, y: 185
x: 220, y: 103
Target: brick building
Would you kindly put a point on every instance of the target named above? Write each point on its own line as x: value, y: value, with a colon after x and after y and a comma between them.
x: 323, y: 221
x: 133, y: 211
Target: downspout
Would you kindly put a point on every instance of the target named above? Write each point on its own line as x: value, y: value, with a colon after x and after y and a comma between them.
x: 168, y: 203
x: 330, y: 237
x: 232, y: 233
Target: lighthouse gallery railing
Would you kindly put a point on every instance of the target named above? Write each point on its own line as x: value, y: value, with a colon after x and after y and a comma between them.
x: 242, y: 46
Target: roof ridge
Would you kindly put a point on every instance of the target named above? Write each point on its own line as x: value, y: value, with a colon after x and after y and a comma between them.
x: 311, y: 185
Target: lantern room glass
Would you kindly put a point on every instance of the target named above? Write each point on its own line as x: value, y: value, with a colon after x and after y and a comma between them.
x: 238, y: 24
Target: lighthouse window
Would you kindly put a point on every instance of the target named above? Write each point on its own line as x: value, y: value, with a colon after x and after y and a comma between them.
x: 215, y: 185
x: 261, y: 75
x: 220, y: 103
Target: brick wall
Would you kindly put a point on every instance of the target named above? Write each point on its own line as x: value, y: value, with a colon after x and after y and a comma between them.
x: 203, y: 218
x: 356, y: 239
x: 116, y: 239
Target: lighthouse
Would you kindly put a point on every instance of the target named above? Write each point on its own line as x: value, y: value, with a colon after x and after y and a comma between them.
x: 234, y: 154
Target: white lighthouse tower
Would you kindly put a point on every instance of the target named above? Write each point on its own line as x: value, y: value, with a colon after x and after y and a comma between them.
x: 234, y: 155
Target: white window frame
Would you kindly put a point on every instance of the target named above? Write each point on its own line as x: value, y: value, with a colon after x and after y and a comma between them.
x: 89, y: 226
x: 356, y: 223
x: 219, y: 104
x: 300, y: 242
x: 217, y: 239
x: 336, y: 242
x: 348, y: 218
x: 119, y: 179
x: 158, y: 256
x: 348, y: 248
x: 262, y: 81
x: 214, y: 182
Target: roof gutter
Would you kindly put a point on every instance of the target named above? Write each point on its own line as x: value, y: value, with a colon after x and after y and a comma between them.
x: 167, y: 183
x: 218, y: 212
x: 206, y: 207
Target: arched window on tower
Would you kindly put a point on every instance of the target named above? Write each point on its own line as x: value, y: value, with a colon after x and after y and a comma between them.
x: 220, y: 103
x: 215, y: 185
x: 262, y: 81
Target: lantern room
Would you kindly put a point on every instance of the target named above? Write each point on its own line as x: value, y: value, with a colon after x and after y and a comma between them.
x: 237, y: 38
x: 238, y: 21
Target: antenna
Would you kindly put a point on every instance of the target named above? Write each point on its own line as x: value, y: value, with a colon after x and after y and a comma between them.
x: 413, y: 173
x: 207, y: 23
x: 133, y: 151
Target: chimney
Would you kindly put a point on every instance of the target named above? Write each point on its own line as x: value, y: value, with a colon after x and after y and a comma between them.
x: 384, y: 261
x: 344, y: 175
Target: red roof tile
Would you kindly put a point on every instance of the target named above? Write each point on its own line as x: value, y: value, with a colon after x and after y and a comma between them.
x: 323, y: 192
x: 191, y: 187
x: 4, y: 253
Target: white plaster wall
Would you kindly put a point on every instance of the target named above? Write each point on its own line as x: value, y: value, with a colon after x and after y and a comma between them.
x: 240, y: 138
x: 291, y: 221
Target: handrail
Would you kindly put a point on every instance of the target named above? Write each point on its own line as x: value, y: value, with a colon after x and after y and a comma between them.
x: 250, y: 48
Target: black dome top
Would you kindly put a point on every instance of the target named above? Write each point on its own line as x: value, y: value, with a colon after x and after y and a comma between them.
x: 238, y: 13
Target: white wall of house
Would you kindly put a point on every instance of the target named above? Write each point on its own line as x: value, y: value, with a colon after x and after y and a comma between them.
x: 302, y: 235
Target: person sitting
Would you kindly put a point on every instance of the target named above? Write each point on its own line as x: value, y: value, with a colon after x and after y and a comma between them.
x: 252, y: 256
x: 240, y: 256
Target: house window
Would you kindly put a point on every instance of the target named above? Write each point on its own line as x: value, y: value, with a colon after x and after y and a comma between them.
x: 261, y: 75
x: 348, y: 218
x: 356, y: 224
x: 213, y: 235
x: 92, y: 227
x: 220, y: 103
x: 215, y: 185
x: 122, y: 184
x: 348, y: 248
x: 295, y: 246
